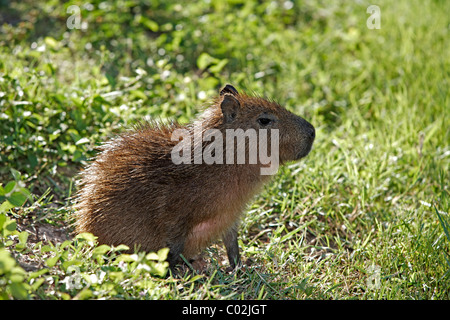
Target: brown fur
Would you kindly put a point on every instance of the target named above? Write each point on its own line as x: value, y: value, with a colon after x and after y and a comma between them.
x: 134, y: 194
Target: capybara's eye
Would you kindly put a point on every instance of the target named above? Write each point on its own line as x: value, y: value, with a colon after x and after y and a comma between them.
x: 264, y: 121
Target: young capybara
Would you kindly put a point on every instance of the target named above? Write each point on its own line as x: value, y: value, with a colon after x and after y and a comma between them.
x: 183, y: 187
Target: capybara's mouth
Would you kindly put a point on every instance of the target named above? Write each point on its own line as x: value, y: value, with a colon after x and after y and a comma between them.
x: 304, y: 152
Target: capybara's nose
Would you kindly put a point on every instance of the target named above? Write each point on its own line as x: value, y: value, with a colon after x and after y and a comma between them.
x: 311, y: 131
x: 307, y: 128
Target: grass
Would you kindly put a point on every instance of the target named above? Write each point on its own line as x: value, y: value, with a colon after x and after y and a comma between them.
x: 364, y: 216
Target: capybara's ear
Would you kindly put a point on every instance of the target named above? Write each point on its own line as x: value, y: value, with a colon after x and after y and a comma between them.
x: 230, y: 107
x: 229, y: 89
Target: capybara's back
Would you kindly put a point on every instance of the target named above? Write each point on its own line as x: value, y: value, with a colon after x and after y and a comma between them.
x: 136, y: 193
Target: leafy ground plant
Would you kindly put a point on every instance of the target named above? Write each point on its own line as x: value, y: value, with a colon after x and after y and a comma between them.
x: 364, y: 216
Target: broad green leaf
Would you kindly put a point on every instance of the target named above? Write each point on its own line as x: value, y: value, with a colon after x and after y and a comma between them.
x: 150, y: 24
x: 17, y: 199
x: 127, y: 257
x: 204, y: 60
x: 9, y: 227
x: 219, y: 66
x: 66, y: 264
x: 101, y: 250
x: 18, y: 290
x: 152, y: 256
x: 162, y: 254
x: 82, y: 141
x: 2, y: 220
x: 51, y: 42
x: 37, y: 283
x: 120, y: 248
x: 50, y: 262
x: 84, y: 294
x: 9, y: 187
x: 5, y: 206
x: 38, y: 273
x: 16, y: 174
x: 88, y: 237
x: 7, y: 262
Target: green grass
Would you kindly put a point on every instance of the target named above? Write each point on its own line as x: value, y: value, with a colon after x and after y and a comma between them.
x: 364, y: 216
